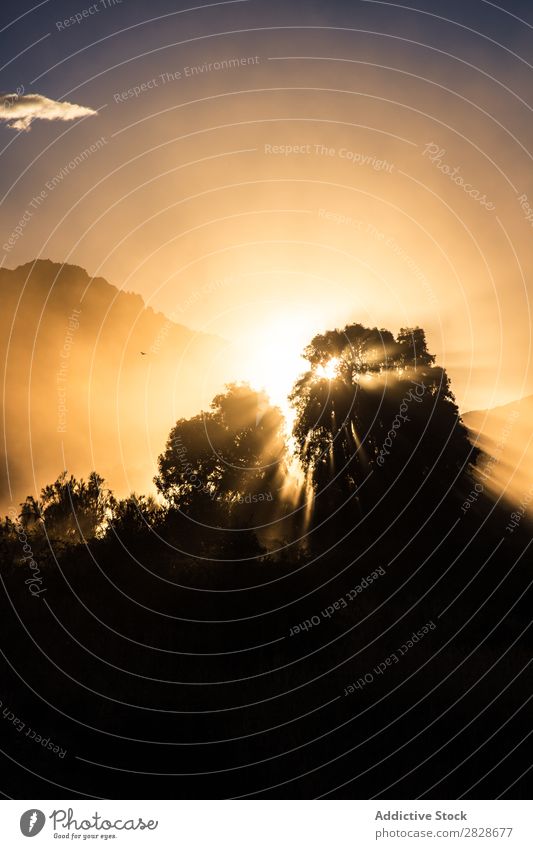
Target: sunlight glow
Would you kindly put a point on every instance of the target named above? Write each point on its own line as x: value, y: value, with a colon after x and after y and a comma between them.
x: 330, y: 369
x: 272, y: 359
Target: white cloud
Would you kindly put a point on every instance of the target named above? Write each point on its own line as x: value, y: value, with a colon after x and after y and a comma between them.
x: 19, y: 110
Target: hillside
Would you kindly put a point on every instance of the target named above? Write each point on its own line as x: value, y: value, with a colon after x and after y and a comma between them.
x: 77, y: 392
x: 506, y: 434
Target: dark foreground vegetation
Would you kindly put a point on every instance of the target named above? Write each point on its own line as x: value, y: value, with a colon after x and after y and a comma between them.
x: 354, y: 629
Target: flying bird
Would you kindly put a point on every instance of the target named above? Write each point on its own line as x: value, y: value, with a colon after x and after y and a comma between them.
x: 143, y: 353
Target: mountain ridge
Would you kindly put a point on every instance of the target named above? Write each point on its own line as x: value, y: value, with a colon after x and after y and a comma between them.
x: 504, y: 433
x: 78, y: 393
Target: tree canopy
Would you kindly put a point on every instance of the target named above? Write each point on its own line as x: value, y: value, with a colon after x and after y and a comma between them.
x: 225, y: 457
x: 374, y: 406
x: 69, y: 509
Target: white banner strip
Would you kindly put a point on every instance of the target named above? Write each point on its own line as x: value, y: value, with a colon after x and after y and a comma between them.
x: 268, y: 824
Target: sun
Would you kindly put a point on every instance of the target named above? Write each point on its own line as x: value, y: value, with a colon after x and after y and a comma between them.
x: 330, y: 369
x: 272, y: 360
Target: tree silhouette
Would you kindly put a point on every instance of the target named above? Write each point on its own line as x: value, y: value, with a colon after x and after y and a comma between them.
x: 70, y: 510
x: 374, y: 409
x: 219, y: 461
x: 134, y: 516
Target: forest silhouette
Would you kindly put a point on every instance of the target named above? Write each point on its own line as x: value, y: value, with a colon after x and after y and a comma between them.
x: 277, y: 566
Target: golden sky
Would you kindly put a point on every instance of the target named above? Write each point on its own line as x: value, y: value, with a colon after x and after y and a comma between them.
x: 262, y: 176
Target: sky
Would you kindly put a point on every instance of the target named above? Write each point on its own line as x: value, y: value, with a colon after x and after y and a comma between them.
x: 267, y: 170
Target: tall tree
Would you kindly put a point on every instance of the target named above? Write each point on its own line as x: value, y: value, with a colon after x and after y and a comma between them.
x: 220, y: 459
x: 373, y: 406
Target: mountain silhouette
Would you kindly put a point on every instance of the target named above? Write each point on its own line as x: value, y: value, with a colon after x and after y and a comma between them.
x: 77, y: 393
x: 504, y: 434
